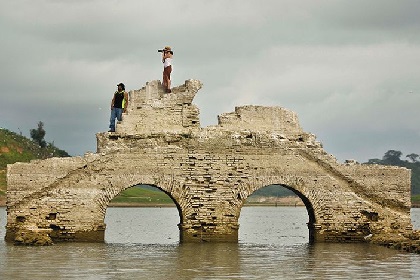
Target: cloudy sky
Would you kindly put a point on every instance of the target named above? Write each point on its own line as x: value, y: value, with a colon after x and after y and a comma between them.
x: 350, y: 69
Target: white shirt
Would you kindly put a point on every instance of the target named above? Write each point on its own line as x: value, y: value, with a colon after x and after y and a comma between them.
x: 167, y: 62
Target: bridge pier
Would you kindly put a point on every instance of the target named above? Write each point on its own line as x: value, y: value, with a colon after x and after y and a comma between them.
x: 208, y: 233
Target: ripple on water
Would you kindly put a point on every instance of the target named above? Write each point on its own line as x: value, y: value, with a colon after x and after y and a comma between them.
x: 143, y: 244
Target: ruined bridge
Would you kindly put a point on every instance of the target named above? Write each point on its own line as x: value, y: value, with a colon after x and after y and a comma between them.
x: 208, y: 172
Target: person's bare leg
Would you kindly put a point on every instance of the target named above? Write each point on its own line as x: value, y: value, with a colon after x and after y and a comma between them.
x: 164, y: 80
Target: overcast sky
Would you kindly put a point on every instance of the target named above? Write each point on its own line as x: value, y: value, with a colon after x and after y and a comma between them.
x: 349, y: 69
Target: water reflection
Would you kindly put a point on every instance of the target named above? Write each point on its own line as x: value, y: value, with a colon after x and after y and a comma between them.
x: 273, y: 225
x: 207, y: 260
x: 357, y: 261
x: 267, y: 254
x: 142, y: 225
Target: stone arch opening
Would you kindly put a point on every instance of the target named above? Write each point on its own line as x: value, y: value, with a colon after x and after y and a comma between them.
x: 297, y: 199
x: 143, y: 213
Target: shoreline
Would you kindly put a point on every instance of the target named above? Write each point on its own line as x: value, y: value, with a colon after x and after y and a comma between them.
x: 167, y: 205
x: 160, y: 205
x: 128, y: 204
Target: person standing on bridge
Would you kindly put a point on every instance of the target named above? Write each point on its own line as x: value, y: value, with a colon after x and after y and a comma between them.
x: 119, y: 105
x: 167, y: 68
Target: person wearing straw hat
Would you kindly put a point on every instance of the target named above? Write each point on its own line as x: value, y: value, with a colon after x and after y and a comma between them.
x: 167, y: 68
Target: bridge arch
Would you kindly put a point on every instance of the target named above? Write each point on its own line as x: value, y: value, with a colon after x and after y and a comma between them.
x: 307, y: 204
x: 106, y: 198
x: 140, y: 217
x: 117, y: 183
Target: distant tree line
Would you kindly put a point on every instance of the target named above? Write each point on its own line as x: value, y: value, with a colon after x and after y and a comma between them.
x: 38, y: 134
x: 412, y: 161
x: 274, y: 191
x: 391, y: 157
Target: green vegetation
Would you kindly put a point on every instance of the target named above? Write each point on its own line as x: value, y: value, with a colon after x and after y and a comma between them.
x: 18, y: 148
x: 393, y: 157
x: 415, y: 200
x: 38, y: 135
x: 142, y: 194
x: 3, y: 182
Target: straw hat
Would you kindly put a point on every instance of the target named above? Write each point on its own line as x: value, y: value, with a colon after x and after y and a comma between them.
x: 168, y: 49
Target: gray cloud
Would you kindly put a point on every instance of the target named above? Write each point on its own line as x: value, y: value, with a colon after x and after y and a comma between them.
x: 348, y: 68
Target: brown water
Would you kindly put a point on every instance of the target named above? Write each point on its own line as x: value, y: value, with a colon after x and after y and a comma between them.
x: 142, y: 243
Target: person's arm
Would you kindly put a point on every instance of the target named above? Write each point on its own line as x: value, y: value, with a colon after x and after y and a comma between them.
x: 126, y: 102
x: 112, y: 102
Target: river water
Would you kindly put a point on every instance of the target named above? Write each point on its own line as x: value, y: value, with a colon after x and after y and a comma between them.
x: 143, y: 243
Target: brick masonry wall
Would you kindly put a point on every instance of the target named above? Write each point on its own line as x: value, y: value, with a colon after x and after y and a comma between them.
x: 208, y: 172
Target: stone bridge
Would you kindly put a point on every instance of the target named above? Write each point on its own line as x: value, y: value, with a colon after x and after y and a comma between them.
x: 208, y: 172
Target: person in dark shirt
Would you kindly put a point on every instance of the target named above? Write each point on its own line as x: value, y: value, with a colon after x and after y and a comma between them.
x: 119, y: 105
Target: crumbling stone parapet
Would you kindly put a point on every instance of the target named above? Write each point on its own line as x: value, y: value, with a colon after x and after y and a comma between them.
x: 152, y: 110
